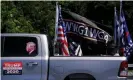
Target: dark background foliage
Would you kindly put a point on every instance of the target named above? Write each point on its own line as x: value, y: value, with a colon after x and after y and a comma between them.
x: 39, y: 16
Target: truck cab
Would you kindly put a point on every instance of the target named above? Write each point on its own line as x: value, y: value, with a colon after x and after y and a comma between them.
x: 31, y: 66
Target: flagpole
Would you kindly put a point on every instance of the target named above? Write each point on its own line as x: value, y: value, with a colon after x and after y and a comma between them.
x: 56, y: 23
x: 114, y: 25
x: 116, y: 31
x: 120, y: 22
x: 120, y: 6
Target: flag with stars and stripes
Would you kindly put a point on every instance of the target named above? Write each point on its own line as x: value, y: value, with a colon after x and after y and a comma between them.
x: 75, y: 48
x: 61, y: 33
x: 126, y: 41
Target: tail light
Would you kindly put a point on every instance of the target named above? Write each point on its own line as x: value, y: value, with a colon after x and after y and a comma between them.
x: 123, y: 71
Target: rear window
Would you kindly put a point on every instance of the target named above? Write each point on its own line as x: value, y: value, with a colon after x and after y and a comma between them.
x: 19, y: 47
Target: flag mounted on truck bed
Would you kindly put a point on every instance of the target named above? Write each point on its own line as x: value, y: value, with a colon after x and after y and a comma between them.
x: 61, y: 34
x: 79, y: 30
x: 126, y: 44
x: 122, y: 36
x: 76, y: 24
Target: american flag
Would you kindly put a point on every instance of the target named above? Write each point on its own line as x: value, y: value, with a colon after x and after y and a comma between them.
x: 126, y: 41
x: 61, y: 34
x: 75, y: 49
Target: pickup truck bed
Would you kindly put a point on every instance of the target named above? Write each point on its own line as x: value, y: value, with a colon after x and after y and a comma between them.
x: 100, y: 68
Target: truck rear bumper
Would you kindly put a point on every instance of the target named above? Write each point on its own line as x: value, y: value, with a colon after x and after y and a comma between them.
x: 116, y: 78
x: 119, y: 78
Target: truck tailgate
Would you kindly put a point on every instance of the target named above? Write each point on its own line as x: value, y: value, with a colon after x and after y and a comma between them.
x: 101, y: 68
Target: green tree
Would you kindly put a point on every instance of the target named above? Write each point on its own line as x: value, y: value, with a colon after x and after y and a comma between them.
x: 28, y: 17
x: 13, y: 20
x: 35, y: 16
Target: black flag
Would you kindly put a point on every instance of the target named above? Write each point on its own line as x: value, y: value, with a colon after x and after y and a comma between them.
x: 86, y: 33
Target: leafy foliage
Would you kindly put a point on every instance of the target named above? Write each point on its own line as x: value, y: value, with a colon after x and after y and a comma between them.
x: 37, y: 16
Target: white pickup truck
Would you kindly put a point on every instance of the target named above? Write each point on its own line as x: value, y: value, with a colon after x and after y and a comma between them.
x: 29, y: 57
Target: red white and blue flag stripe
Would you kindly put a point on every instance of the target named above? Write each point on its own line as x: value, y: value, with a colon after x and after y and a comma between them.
x: 61, y: 34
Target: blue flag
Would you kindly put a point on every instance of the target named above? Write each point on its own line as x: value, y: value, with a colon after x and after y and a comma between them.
x: 126, y: 41
x: 116, y: 28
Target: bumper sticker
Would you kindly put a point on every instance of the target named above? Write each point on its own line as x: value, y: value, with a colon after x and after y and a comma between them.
x: 12, y: 68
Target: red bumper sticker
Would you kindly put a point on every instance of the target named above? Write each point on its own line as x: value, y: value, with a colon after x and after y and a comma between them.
x: 12, y: 68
